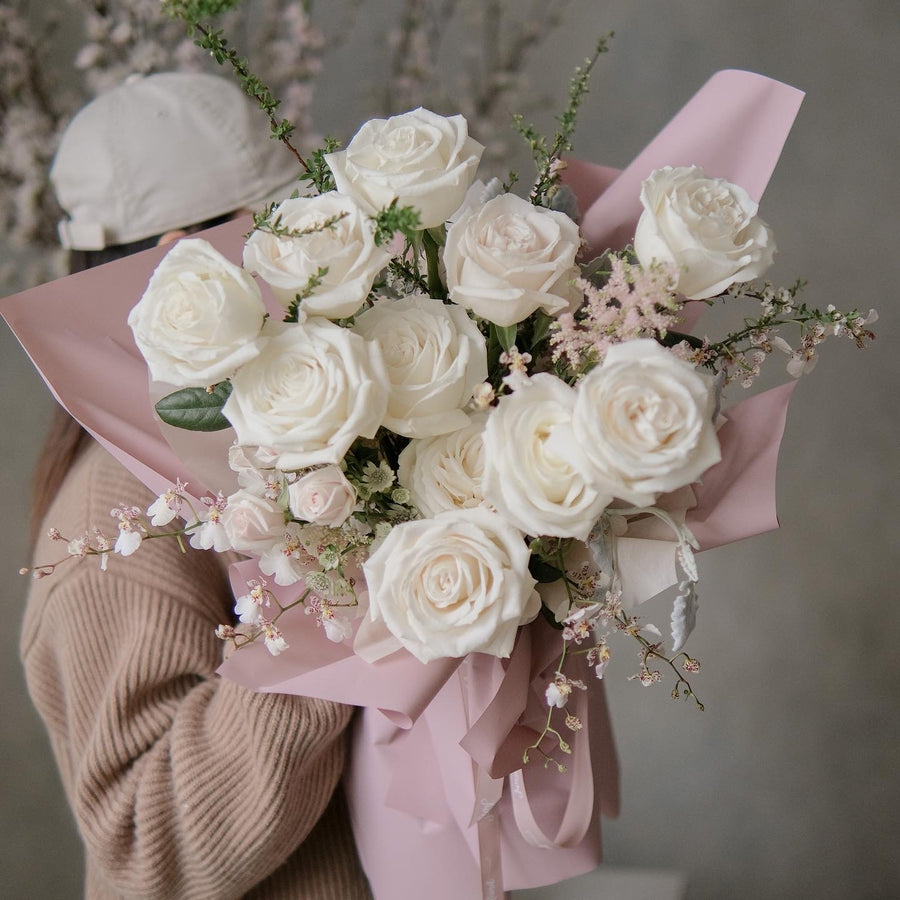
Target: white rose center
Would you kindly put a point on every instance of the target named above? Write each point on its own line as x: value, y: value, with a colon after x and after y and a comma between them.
x: 653, y: 419
x: 508, y: 234
x: 443, y: 584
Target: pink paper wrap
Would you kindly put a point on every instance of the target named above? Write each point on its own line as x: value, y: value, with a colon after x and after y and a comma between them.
x: 434, y: 785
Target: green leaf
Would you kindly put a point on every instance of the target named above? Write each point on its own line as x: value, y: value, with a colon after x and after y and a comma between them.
x: 506, y: 334
x: 196, y: 409
x: 542, y: 324
x: 542, y: 571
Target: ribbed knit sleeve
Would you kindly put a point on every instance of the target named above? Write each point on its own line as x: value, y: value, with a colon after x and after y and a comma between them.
x: 183, y: 784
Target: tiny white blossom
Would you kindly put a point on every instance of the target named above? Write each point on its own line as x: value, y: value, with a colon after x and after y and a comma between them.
x: 275, y: 642
x: 165, y: 507
x: 558, y: 691
x: 129, y: 540
x: 337, y: 627
x: 78, y: 547
x: 248, y: 609
x: 211, y: 534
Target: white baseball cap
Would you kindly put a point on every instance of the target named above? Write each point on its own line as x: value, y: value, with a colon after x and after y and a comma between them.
x: 160, y: 152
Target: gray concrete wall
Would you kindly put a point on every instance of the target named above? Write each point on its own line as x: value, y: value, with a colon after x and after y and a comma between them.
x: 787, y: 786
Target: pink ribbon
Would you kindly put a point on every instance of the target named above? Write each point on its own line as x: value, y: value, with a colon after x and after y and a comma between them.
x: 435, y: 745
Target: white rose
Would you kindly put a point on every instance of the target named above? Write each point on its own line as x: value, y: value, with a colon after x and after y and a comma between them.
x: 534, y: 473
x: 707, y: 228
x: 508, y: 258
x: 323, y: 497
x: 314, y: 388
x: 252, y: 523
x: 419, y: 159
x: 444, y: 472
x: 199, y: 317
x: 435, y: 357
x: 346, y: 249
x: 644, y: 419
x: 452, y: 585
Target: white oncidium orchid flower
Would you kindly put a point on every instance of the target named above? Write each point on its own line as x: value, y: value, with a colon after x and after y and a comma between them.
x: 275, y: 642
x: 167, y: 505
x: 210, y: 534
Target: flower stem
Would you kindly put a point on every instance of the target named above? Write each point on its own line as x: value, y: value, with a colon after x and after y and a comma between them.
x: 432, y: 250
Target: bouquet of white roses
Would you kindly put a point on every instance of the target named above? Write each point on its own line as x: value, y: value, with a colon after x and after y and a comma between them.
x: 468, y: 441
x: 454, y: 400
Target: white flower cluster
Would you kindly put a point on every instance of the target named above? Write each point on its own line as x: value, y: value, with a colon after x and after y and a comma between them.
x: 364, y: 395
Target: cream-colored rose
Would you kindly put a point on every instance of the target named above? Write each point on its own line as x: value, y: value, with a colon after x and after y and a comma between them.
x: 314, y: 388
x: 706, y: 227
x: 452, y: 585
x: 199, y: 317
x: 444, y: 472
x: 323, y: 497
x: 644, y: 420
x: 435, y: 356
x: 251, y: 522
x: 534, y: 473
x: 419, y: 159
x: 346, y: 248
x: 507, y: 258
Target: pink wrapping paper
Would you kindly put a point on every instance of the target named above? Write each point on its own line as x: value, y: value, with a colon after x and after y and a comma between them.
x: 436, y: 745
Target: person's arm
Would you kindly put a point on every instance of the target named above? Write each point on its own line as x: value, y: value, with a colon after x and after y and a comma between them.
x: 183, y: 784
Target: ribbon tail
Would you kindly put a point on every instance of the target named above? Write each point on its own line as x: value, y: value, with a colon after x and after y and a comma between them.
x: 579, y: 810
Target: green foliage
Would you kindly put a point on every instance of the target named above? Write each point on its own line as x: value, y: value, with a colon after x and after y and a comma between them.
x: 293, y: 312
x: 506, y: 335
x: 408, y: 276
x: 272, y: 223
x: 542, y: 571
x: 544, y: 155
x: 316, y: 171
x: 432, y: 241
x: 192, y: 13
x: 196, y: 408
x: 392, y: 219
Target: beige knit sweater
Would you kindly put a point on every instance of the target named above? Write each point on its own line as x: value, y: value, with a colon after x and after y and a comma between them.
x: 182, y: 784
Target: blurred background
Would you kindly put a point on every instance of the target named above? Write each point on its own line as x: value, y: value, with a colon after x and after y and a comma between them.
x: 788, y: 786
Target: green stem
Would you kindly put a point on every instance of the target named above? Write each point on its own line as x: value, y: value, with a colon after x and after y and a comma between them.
x: 432, y: 258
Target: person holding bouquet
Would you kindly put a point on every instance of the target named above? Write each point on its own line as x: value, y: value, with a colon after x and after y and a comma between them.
x: 182, y: 784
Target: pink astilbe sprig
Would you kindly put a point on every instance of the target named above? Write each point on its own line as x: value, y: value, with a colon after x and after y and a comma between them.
x: 633, y: 302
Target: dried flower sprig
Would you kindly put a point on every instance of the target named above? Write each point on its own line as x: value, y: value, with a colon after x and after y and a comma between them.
x: 134, y: 528
x: 740, y: 353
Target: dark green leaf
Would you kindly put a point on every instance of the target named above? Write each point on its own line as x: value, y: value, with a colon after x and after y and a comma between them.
x: 542, y: 571
x: 196, y: 409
